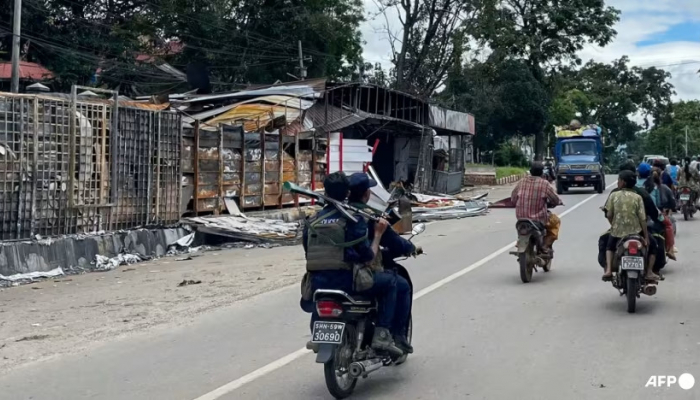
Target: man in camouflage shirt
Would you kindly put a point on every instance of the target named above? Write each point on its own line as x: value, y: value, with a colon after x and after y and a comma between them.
x: 625, y: 211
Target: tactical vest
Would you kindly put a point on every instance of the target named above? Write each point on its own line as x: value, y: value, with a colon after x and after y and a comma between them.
x: 325, y: 243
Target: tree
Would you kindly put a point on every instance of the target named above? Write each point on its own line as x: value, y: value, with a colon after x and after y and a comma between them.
x: 545, y: 32
x: 613, y: 95
x: 669, y: 137
x: 502, y: 94
x: 433, y: 36
x: 237, y: 42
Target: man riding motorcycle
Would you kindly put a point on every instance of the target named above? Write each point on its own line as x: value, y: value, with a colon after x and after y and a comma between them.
x: 653, y: 223
x: 393, y: 246
x: 334, y: 247
x: 663, y: 199
x: 625, y: 211
x: 531, y: 197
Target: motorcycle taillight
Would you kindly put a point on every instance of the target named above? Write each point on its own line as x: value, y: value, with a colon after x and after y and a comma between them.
x: 328, y: 308
x: 685, y: 191
x: 633, y: 247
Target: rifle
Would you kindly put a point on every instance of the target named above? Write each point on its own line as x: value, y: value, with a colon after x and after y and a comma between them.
x: 346, y: 209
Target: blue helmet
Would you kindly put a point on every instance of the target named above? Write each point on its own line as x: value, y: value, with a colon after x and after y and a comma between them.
x: 644, y: 170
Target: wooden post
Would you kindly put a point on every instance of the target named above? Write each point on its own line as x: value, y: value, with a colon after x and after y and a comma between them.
x: 196, y: 168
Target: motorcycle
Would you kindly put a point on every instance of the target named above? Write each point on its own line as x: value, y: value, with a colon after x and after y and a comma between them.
x: 549, y: 173
x: 686, y: 202
x: 530, y: 248
x: 343, y: 333
x: 628, y: 271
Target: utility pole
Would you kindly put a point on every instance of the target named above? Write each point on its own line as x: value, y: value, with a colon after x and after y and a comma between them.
x: 302, y: 68
x: 16, y: 28
x: 686, y: 140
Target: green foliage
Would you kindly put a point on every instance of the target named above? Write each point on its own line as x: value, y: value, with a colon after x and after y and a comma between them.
x: 509, y: 155
x: 543, y: 32
x: 502, y: 172
x: 610, y: 95
x: 239, y: 41
x: 503, y: 96
x: 669, y: 136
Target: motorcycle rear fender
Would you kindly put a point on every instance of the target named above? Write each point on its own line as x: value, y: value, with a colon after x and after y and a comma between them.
x: 325, y: 352
x: 523, y: 242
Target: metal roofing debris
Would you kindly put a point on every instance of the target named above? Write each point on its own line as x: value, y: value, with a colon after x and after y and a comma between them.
x: 248, y: 228
x: 443, y: 118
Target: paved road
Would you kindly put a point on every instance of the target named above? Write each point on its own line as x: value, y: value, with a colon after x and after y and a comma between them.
x: 479, y: 332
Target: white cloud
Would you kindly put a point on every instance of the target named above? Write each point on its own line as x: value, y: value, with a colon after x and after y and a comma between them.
x: 640, y: 20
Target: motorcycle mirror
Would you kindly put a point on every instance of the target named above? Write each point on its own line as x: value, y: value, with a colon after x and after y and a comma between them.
x: 418, y: 229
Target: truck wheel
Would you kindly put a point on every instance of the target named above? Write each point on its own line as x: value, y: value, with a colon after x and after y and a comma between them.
x: 560, y: 187
x: 600, y: 187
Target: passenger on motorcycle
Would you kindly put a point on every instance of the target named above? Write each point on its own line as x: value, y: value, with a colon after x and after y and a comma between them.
x: 653, y: 223
x: 664, y: 201
x: 690, y: 177
x: 333, y: 246
x: 674, y: 171
x: 531, y: 196
x: 393, y: 246
x: 625, y: 211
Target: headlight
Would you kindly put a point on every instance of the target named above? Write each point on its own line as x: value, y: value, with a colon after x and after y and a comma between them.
x: 593, y: 167
x: 563, y: 167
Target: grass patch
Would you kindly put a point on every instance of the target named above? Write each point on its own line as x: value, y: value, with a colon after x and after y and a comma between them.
x: 502, y: 172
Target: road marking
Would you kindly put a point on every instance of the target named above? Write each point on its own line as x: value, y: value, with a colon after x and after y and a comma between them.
x: 277, y: 364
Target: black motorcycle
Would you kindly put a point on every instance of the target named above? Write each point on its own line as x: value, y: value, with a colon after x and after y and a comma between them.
x: 343, y: 333
x: 628, y: 271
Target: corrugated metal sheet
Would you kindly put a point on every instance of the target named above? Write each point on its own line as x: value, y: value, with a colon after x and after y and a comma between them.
x: 456, y: 121
x: 333, y: 120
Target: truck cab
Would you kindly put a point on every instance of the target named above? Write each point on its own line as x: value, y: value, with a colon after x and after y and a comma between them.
x: 579, y: 162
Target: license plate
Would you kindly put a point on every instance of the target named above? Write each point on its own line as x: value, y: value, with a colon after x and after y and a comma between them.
x: 328, y: 332
x: 685, y: 197
x: 632, y: 263
x: 578, y: 178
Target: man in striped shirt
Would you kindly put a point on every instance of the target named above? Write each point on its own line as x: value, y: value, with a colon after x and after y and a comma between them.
x: 531, y: 197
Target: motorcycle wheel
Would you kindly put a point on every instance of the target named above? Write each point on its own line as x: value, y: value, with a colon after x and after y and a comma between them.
x: 632, y: 288
x: 409, y: 337
x: 524, y: 259
x: 600, y: 187
x: 686, y: 213
x: 341, y: 386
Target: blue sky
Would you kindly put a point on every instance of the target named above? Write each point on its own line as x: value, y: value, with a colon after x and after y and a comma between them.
x: 662, y: 33
x: 688, y: 31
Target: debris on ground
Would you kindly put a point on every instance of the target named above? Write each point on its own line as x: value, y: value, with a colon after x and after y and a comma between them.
x: 248, y: 229
x: 32, y: 337
x: 29, y: 277
x: 432, y: 208
x: 188, y: 282
x: 103, y: 263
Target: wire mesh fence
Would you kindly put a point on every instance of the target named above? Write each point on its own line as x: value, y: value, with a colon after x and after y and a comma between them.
x: 64, y: 169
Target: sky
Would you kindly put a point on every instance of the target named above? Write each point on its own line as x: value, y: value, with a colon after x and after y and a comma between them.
x: 661, y: 33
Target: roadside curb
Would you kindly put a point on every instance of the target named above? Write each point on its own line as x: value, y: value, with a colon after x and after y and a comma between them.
x: 510, y: 179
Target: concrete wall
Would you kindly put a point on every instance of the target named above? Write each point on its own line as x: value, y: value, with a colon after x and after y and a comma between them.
x: 75, y: 253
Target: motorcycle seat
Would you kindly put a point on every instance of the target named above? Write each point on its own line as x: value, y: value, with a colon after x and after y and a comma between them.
x: 536, y: 224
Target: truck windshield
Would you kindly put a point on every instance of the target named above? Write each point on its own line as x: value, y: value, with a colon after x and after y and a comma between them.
x: 587, y: 148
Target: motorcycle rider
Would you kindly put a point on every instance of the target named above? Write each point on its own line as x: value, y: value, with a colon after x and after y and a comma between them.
x: 549, y: 168
x: 333, y: 244
x: 663, y: 199
x: 674, y: 171
x: 690, y: 177
x: 393, y: 246
x: 653, y: 223
x: 531, y: 196
x: 625, y: 211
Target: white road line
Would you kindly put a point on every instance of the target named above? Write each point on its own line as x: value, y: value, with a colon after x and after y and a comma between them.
x: 277, y: 364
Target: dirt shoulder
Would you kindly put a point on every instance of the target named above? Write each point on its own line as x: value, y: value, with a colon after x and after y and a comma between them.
x: 70, y: 313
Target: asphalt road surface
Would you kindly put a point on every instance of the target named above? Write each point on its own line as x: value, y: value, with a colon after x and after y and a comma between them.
x: 479, y: 333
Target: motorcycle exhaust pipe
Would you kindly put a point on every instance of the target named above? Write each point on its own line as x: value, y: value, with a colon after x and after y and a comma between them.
x: 649, y: 290
x: 364, y: 368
